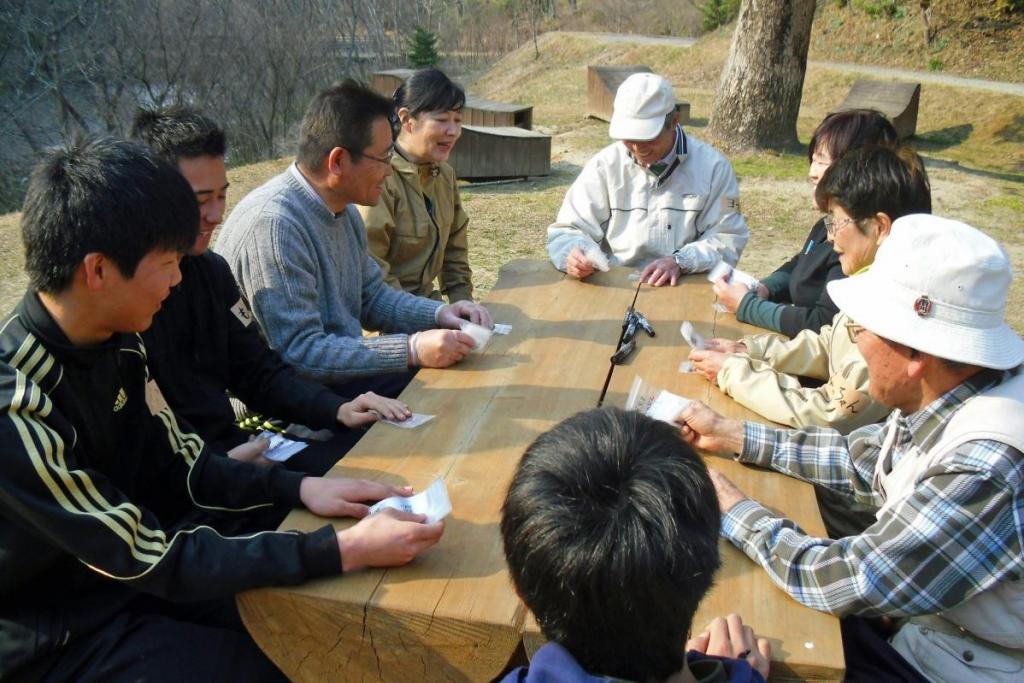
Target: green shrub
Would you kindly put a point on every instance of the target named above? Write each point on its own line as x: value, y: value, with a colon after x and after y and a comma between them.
x: 717, y: 13
x: 935, y: 64
x: 423, y: 48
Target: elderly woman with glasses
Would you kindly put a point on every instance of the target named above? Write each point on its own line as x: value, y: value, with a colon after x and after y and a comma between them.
x: 417, y: 232
x: 864, y: 192
x: 793, y: 298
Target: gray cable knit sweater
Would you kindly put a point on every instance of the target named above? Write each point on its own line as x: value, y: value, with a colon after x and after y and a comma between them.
x: 313, y: 285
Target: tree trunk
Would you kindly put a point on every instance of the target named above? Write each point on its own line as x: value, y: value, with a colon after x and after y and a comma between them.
x: 758, y: 97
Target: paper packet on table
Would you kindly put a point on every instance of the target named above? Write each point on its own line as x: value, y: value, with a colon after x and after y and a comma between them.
x: 480, y: 334
x: 281, y: 447
x: 691, y: 337
x: 731, y: 275
x: 433, y: 502
x: 654, y: 402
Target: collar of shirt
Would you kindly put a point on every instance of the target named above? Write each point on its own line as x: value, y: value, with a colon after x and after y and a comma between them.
x: 924, y: 427
x: 677, y: 152
x: 308, y: 187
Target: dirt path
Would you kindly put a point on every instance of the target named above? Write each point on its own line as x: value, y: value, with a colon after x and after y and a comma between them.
x: 872, y: 70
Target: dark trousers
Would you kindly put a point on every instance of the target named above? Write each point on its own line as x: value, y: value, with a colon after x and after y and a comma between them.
x: 152, y: 641
x: 869, y: 656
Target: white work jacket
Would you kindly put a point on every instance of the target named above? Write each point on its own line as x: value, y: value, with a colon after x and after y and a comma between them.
x: 692, y: 211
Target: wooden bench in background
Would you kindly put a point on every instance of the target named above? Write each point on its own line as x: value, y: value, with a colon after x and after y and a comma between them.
x: 494, y: 153
x: 603, y: 80
x: 898, y: 101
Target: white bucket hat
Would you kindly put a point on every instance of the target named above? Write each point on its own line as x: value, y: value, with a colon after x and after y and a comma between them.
x: 641, y: 104
x: 938, y: 286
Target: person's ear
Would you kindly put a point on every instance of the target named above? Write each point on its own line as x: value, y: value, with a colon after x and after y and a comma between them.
x: 918, y: 363
x: 404, y: 117
x: 883, y: 224
x: 95, y: 269
x: 338, y: 160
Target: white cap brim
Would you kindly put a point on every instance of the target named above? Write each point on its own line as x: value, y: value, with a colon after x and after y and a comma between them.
x: 888, y: 311
x: 628, y: 128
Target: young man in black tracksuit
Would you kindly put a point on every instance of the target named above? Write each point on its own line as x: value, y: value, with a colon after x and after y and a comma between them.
x: 205, y: 342
x: 116, y: 555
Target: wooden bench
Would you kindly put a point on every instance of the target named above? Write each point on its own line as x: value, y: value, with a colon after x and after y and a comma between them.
x: 898, y: 101
x: 388, y: 81
x: 603, y: 81
x: 494, y: 153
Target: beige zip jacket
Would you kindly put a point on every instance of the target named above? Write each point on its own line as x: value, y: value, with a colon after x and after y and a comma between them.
x: 765, y: 379
x: 416, y: 247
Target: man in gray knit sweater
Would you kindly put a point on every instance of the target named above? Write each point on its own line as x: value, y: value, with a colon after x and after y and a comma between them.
x: 297, y: 247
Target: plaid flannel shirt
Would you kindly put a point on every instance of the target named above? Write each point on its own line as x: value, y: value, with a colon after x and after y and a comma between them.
x: 958, y: 534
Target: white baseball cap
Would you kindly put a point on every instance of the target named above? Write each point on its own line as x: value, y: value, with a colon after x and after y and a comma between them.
x: 641, y: 104
x: 938, y: 286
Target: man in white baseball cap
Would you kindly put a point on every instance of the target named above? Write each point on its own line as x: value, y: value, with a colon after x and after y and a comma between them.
x: 655, y: 199
x: 946, y: 470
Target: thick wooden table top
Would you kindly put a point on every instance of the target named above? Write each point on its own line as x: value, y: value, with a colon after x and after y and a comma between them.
x: 452, y: 614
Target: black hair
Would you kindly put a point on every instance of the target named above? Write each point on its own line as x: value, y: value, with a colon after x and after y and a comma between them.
x: 340, y: 116
x: 843, y: 131
x: 178, y: 132
x: 115, y: 197
x: 875, y: 179
x: 610, y: 529
x: 429, y: 90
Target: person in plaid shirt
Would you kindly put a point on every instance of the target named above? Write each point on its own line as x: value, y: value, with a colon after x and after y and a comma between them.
x: 943, y: 563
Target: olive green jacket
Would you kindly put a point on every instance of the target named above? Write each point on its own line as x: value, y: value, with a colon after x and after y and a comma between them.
x: 414, y: 246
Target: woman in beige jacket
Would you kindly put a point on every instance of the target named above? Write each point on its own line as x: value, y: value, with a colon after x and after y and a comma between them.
x: 865, y: 191
x: 417, y: 232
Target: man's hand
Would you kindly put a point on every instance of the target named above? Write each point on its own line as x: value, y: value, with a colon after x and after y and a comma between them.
x: 441, y: 348
x: 251, y: 452
x: 762, y: 292
x: 730, y: 295
x: 451, y: 316
x: 730, y: 638
x: 725, y: 345
x: 342, y: 497
x: 387, y: 539
x: 368, y: 407
x: 662, y: 271
x: 578, y: 265
x: 708, y: 363
x: 728, y: 493
x: 707, y: 430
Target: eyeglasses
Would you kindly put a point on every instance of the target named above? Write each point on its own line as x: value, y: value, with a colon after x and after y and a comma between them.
x: 853, y: 330
x: 386, y: 159
x: 832, y: 226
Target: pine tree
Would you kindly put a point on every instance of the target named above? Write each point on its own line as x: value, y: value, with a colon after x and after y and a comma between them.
x: 718, y: 13
x: 423, y: 48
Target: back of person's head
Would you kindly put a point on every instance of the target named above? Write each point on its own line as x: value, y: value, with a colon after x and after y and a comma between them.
x: 178, y: 132
x: 610, y: 529
x: 340, y: 116
x: 876, y: 179
x: 114, y: 197
x: 429, y: 90
x: 844, y: 131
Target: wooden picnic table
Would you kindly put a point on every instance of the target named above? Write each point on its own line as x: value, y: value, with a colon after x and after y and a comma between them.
x: 453, y: 614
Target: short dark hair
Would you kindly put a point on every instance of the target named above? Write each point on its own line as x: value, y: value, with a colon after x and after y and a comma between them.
x: 843, y: 131
x: 610, y: 529
x: 104, y: 195
x: 340, y: 116
x: 429, y: 90
x: 875, y: 179
x: 178, y: 132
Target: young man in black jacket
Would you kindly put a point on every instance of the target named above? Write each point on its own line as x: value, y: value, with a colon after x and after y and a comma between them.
x: 205, y: 342
x: 110, y: 508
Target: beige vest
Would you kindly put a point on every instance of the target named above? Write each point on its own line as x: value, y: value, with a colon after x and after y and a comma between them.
x: 981, y: 639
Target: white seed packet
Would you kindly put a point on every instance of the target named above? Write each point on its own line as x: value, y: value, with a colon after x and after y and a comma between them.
x: 281, y: 447
x: 411, y: 422
x: 654, y: 402
x: 667, y: 406
x: 433, y: 502
x: 501, y: 328
x: 687, y: 366
x: 719, y: 308
x: 691, y: 337
x: 597, y: 258
x: 723, y: 269
x: 635, y: 276
x: 480, y: 334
